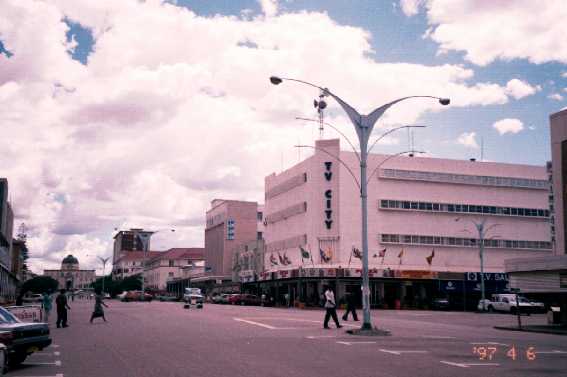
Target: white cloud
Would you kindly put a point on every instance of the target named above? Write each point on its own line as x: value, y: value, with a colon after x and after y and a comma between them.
x: 496, y: 30
x: 564, y: 74
x: 508, y: 125
x: 411, y: 7
x: 468, y: 139
x: 158, y: 123
x: 555, y: 96
x: 269, y: 7
x: 520, y: 89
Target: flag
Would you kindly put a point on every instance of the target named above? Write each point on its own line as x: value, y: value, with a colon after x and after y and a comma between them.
x: 429, y: 259
x: 286, y: 259
x: 282, y: 261
x: 357, y: 253
x: 324, y: 257
x: 304, y: 253
x: 382, y: 253
x: 273, y: 260
x: 400, y: 255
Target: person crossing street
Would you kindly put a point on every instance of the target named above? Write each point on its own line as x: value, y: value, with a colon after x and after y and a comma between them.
x: 330, y: 306
x: 351, y: 307
x: 62, y: 307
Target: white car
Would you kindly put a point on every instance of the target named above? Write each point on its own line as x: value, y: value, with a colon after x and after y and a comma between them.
x: 193, y: 297
x: 507, y: 303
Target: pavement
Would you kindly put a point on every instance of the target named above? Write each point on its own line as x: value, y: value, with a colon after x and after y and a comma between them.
x: 163, y: 339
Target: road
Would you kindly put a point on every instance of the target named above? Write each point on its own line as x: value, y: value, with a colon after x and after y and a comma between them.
x: 163, y: 339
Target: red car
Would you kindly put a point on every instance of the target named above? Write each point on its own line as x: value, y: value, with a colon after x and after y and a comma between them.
x: 247, y: 299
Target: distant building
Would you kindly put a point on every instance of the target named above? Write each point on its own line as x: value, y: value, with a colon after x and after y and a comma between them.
x: 127, y: 241
x: 546, y: 276
x: 8, y: 281
x: 169, y: 265
x: 70, y: 276
x: 131, y: 263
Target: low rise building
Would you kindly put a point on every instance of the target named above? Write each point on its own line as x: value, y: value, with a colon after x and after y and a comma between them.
x: 70, y: 276
x: 170, y: 264
x: 131, y: 264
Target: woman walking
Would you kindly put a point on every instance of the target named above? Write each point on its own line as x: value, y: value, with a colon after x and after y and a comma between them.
x: 98, y: 310
x: 46, y: 304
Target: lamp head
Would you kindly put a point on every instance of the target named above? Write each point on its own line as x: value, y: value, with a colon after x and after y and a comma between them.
x: 275, y: 80
x: 444, y: 101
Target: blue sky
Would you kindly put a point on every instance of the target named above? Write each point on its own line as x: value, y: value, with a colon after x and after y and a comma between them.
x: 396, y: 38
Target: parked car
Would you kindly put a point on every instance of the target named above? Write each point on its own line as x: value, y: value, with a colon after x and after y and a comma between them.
x: 440, y: 303
x: 21, y: 339
x: 34, y: 298
x: 233, y: 298
x: 167, y: 298
x: 538, y: 307
x: 507, y: 303
x: 120, y: 296
x: 218, y: 299
x: 247, y: 299
x: 193, y: 297
x: 480, y: 307
x: 136, y: 296
x: 3, y: 359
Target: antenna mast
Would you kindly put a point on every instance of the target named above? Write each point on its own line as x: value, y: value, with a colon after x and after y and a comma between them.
x: 320, y: 105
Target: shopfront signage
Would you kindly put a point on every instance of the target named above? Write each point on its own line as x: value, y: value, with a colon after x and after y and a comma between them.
x: 328, y: 196
x: 488, y: 276
x: 416, y: 274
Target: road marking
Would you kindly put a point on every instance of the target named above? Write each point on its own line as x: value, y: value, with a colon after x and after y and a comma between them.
x: 255, y: 323
x: 468, y: 365
x: 351, y: 343
x: 320, y: 336
x: 552, y: 352
x: 491, y: 343
x: 400, y: 352
x: 57, y: 363
x: 57, y: 375
x: 438, y: 337
x: 55, y: 345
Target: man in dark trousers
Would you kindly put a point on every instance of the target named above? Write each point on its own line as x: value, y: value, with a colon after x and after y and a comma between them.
x: 330, y: 306
x: 351, y: 307
x: 62, y: 306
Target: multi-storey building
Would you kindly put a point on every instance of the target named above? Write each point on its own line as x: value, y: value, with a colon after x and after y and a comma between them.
x: 131, y: 263
x: 170, y: 264
x: 421, y: 213
x: 545, y: 276
x: 8, y: 280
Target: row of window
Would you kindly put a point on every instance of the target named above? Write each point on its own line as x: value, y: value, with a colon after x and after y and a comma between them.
x: 464, y: 179
x: 463, y: 208
x: 468, y: 242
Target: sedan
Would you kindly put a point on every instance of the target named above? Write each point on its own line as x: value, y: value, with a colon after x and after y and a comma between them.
x: 248, y: 299
x: 21, y: 339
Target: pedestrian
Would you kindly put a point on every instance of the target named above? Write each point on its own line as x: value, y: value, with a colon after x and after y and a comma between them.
x: 62, y: 307
x: 99, y: 303
x: 351, y: 307
x: 330, y: 306
x: 46, y: 306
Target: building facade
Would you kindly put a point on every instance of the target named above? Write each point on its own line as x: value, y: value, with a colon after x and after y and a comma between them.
x: 422, y: 239
x: 127, y: 241
x: 546, y: 276
x: 70, y: 276
x: 248, y: 262
x: 131, y: 263
x: 169, y: 265
x: 8, y: 280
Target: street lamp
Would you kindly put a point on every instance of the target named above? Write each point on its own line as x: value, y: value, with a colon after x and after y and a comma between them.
x: 103, y: 260
x: 363, y: 125
x: 482, y: 231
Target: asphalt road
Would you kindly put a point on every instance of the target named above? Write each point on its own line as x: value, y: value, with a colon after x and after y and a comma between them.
x: 163, y: 339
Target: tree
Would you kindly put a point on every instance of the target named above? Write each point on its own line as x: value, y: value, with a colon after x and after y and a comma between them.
x: 114, y: 287
x: 23, y: 236
x: 40, y: 284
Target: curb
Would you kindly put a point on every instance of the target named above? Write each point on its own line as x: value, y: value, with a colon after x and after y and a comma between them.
x: 540, y: 331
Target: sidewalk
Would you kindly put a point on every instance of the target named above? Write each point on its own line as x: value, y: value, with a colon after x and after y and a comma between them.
x: 542, y: 329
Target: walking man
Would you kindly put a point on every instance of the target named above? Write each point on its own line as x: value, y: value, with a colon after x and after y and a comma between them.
x: 46, y: 304
x: 351, y: 307
x: 62, y: 306
x: 330, y: 306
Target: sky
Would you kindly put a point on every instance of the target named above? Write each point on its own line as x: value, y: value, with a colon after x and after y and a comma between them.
x: 121, y: 114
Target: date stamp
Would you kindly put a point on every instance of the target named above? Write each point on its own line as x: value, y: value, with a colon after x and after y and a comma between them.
x: 491, y: 352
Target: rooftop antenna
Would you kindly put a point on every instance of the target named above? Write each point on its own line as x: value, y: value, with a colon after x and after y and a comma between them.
x: 320, y: 105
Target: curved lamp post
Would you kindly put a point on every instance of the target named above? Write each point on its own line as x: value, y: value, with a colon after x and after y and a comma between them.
x: 363, y: 125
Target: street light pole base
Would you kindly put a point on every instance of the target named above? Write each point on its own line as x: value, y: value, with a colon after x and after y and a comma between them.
x: 368, y: 330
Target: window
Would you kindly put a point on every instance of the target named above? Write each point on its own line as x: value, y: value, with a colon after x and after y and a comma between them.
x: 435, y: 206
x: 451, y: 208
x: 392, y: 204
x: 259, y: 235
x: 421, y: 206
x: 414, y: 205
x: 260, y: 216
x: 170, y: 274
x: 171, y: 263
x: 406, y: 205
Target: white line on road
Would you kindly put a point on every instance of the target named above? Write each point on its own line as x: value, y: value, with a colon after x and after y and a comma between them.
x: 57, y: 363
x: 400, y: 352
x: 468, y: 365
x: 438, y: 337
x: 57, y: 375
x: 320, y: 336
x: 43, y: 353
x: 351, y: 343
x: 491, y: 343
x: 255, y: 323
